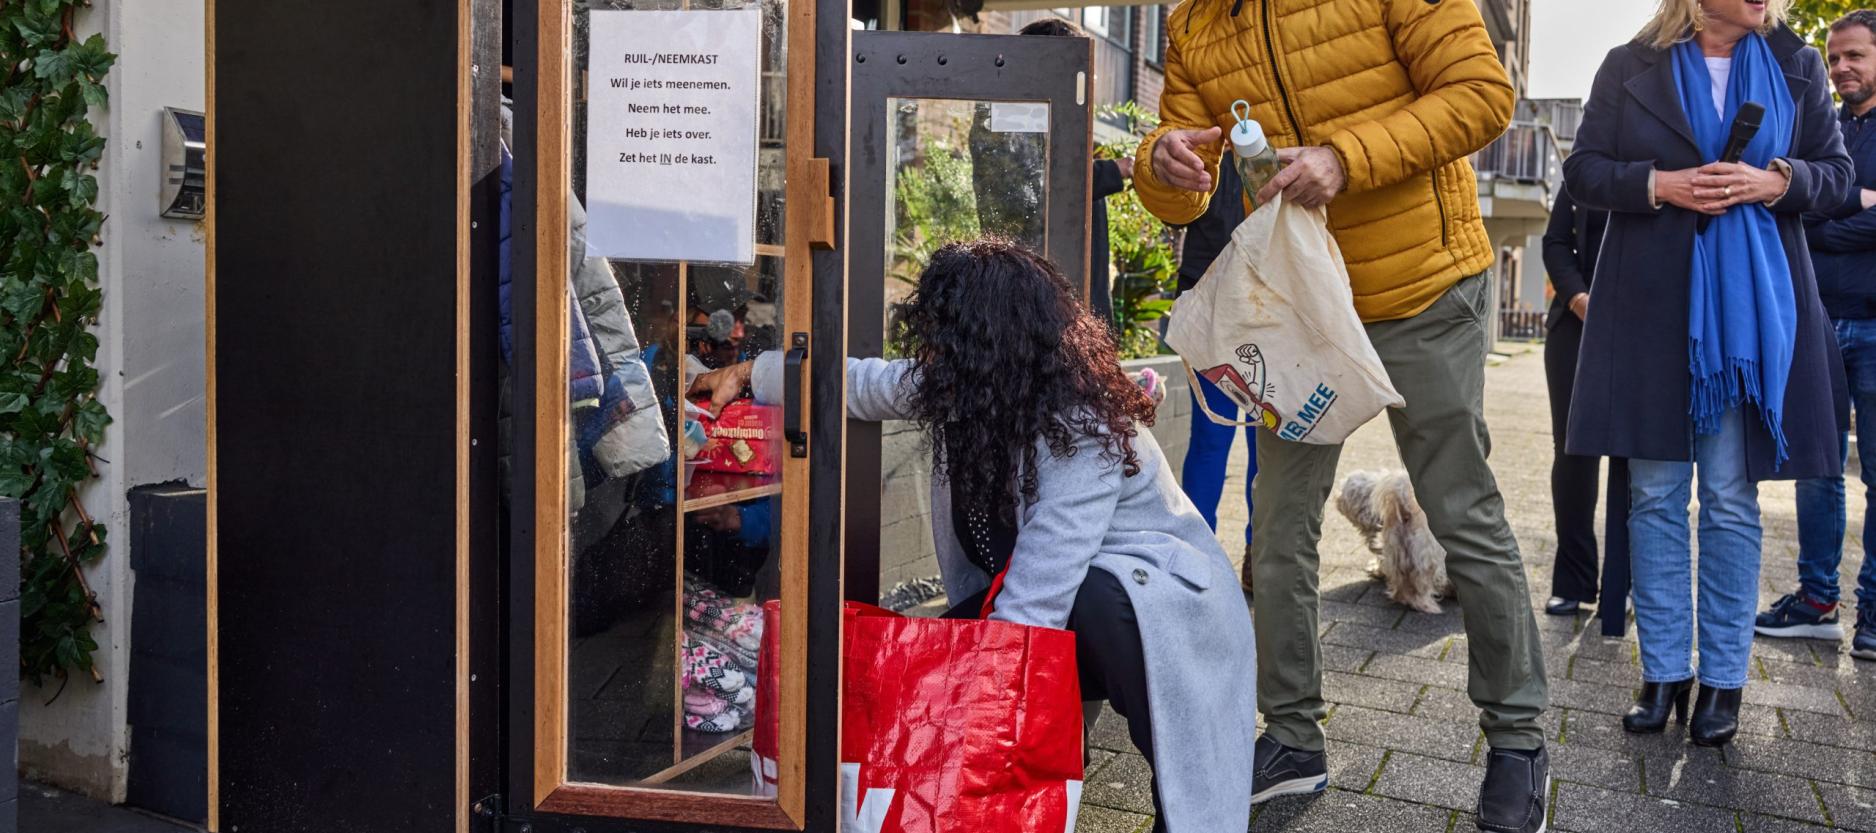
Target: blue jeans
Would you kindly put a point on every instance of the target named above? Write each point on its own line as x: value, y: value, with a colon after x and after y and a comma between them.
x: 1821, y: 501
x: 1730, y: 537
x: 1209, y: 451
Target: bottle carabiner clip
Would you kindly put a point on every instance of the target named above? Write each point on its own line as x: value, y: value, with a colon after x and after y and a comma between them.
x: 1244, y: 116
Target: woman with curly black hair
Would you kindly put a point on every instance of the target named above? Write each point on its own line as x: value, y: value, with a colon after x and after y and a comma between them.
x: 1046, y: 480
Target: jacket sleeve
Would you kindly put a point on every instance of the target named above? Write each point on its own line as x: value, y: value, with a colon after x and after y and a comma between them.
x: 1560, y: 249
x: 1821, y: 171
x: 1842, y: 235
x: 1107, y: 179
x: 1593, y: 174
x: 876, y: 388
x: 1180, y: 108
x: 1465, y: 97
x: 1058, y: 543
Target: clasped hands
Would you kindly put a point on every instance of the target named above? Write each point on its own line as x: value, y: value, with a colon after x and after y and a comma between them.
x: 1714, y: 187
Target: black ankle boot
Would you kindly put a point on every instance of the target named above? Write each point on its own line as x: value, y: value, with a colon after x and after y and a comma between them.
x: 1716, y: 716
x: 1650, y: 714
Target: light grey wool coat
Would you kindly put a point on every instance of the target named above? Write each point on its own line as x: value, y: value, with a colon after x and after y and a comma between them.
x: 1195, y: 627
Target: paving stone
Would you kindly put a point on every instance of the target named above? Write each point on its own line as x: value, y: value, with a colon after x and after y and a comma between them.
x: 1343, y: 658
x: 1356, y: 614
x: 1446, y: 704
x: 1580, y: 764
x: 1098, y: 819
x: 1438, y: 738
x: 1416, y: 670
x: 1808, y: 675
x: 1337, y: 811
x: 1805, y: 760
x: 1580, y: 807
x: 1851, y: 808
x: 1351, y: 766
x: 1820, y: 700
x: 1385, y: 640
x: 1753, y: 823
x: 1700, y: 776
x: 1346, y: 587
x: 1785, y: 650
x: 1585, y: 670
x: 1125, y: 783
x: 1447, y: 622
x: 1591, y: 645
x: 1432, y: 781
x: 1761, y: 720
x: 1369, y: 692
x: 1861, y: 698
x: 1456, y: 651
x: 1604, y: 731
x: 1831, y: 730
x: 1578, y: 695
x: 1110, y: 733
x: 1097, y: 758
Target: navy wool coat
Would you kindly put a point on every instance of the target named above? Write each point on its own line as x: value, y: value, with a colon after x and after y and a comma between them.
x: 1631, y: 396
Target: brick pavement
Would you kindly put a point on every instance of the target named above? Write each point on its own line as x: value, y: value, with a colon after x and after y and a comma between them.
x: 1404, y: 745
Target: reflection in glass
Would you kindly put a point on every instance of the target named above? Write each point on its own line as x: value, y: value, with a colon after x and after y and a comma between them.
x: 956, y: 170
x: 674, y: 510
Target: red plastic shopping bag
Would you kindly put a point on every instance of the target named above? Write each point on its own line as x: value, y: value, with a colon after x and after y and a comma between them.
x: 948, y: 726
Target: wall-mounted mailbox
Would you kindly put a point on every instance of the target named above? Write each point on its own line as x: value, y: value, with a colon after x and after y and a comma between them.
x: 184, y: 186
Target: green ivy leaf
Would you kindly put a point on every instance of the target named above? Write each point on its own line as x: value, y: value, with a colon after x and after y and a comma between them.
x: 48, y: 384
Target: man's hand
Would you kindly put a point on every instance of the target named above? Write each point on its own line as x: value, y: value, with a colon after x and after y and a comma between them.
x: 1311, y: 177
x: 1125, y: 164
x: 1175, y: 162
x: 724, y: 386
x: 1579, y: 304
x: 1868, y: 198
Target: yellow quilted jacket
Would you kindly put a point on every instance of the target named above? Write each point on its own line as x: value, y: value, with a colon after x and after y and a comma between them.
x: 1402, y: 90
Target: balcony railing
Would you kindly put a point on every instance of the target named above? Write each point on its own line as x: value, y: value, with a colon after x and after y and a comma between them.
x: 1525, y: 154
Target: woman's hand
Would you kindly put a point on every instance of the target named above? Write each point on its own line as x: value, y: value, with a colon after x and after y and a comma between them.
x: 724, y: 386
x: 1722, y: 185
x: 1676, y: 188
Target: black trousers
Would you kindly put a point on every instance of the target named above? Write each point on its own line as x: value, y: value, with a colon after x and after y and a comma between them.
x: 1574, y: 488
x: 1108, y: 656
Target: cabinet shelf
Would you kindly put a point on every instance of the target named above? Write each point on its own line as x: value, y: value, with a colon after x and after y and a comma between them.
x: 707, y: 748
x: 712, y: 489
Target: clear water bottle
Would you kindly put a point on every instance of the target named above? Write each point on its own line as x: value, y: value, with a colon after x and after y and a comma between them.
x: 1251, y: 152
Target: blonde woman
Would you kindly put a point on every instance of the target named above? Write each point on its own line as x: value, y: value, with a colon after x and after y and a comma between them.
x: 1706, y: 349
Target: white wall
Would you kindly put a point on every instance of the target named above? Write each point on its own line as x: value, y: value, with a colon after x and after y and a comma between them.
x: 151, y: 358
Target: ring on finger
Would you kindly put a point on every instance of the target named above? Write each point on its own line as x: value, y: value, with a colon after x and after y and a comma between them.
x: 1728, y: 191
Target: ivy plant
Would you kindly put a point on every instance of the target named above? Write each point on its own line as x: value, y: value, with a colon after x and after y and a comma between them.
x: 1141, y: 247
x: 51, y: 421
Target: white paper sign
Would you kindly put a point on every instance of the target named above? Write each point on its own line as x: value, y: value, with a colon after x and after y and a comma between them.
x: 671, y: 134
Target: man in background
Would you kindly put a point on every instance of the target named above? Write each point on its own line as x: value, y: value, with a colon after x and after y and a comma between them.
x: 1843, y: 251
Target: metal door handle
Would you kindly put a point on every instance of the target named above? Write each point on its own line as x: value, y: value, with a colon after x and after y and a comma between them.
x: 794, y: 363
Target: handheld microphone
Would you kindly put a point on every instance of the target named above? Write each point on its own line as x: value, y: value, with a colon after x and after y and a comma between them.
x: 1745, y: 126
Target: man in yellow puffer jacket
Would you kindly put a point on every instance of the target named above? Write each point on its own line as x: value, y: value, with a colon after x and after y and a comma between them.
x: 1374, y: 106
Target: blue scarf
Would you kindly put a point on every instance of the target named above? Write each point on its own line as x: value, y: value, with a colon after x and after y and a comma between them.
x: 1743, y: 320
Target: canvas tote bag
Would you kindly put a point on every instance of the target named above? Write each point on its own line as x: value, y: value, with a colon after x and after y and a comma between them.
x: 1273, y: 325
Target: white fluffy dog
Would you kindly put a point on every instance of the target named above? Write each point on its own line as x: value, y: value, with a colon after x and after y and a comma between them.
x: 1381, y: 504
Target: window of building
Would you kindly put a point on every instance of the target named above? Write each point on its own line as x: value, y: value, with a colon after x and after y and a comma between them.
x: 1153, y: 22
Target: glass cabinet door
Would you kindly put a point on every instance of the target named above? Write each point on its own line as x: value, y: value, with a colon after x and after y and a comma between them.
x: 664, y: 523
x: 955, y: 137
